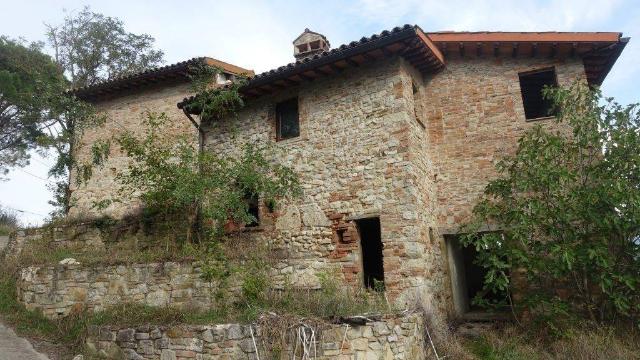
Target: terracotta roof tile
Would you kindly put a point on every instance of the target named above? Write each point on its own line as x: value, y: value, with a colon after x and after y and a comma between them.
x: 177, y: 70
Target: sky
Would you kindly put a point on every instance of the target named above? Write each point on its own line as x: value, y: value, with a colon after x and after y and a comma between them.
x: 258, y: 34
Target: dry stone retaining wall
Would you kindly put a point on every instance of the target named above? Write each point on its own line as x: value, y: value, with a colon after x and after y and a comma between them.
x: 392, y: 337
x: 60, y: 290
x: 76, y: 236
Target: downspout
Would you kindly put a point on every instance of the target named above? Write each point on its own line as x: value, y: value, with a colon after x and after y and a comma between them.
x: 196, y: 223
x: 197, y: 126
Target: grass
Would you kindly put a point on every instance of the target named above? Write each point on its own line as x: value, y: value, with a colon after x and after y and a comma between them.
x: 72, y: 329
x: 8, y: 221
x: 43, y: 252
x: 6, y: 230
x: 585, y: 341
x: 514, y: 347
x: 25, y: 321
x: 581, y: 341
x: 256, y: 299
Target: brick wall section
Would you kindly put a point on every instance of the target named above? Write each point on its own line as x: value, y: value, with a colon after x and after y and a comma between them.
x: 392, y: 337
x: 124, y: 112
x: 354, y: 160
x: 474, y: 115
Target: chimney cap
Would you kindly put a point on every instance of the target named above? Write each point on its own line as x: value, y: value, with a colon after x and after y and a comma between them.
x: 308, y: 31
x: 308, y: 44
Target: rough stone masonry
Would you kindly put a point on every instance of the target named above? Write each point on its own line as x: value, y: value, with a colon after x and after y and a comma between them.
x: 403, y: 126
x: 392, y: 337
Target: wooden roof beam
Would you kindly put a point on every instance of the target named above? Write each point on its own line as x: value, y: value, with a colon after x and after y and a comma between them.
x: 290, y: 82
x: 321, y: 72
x: 369, y: 57
x: 305, y: 77
x: 352, y: 62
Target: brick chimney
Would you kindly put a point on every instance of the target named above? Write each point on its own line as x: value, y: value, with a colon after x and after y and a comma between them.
x: 308, y: 44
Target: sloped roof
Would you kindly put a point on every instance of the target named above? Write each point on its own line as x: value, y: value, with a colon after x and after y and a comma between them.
x: 426, y: 51
x: 174, y: 72
x: 598, y: 50
x: 409, y: 41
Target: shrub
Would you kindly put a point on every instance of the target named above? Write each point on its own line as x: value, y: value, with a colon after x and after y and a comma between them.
x: 565, y: 213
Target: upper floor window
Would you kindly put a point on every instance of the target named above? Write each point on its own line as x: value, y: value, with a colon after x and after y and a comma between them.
x: 287, y: 119
x: 531, y: 85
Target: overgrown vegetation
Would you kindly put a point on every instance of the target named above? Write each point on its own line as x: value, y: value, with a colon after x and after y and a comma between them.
x: 8, y: 221
x: 193, y: 196
x: 36, y: 111
x: 515, y: 343
x: 564, y: 214
x: 193, y: 203
x: 212, y: 102
x: 207, y: 190
x: 286, y: 306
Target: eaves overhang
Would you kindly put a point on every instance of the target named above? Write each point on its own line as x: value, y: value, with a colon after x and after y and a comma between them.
x: 598, y: 50
x: 178, y: 72
x: 408, y: 41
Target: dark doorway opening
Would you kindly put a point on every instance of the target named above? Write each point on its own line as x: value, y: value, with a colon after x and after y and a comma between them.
x: 474, y: 275
x: 468, y: 278
x: 371, y: 245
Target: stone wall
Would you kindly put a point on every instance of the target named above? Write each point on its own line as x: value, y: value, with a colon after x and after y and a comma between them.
x: 474, y: 116
x: 380, y: 140
x: 76, y: 236
x: 435, y: 293
x: 124, y: 112
x: 357, y: 157
x: 70, y: 287
x: 392, y: 337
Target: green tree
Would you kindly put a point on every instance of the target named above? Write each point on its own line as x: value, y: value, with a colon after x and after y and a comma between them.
x: 36, y: 112
x: 26, y: 77
x: 566, y: 213
x: 188, y: 188
x: 192, y: 190
x: 89, y: 47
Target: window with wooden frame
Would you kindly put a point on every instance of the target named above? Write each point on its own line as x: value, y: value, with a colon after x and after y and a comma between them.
x: 531, y: 85
x: 287, y: 119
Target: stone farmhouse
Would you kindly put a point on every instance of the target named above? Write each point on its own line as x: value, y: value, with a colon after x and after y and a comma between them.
x: 394, y: 137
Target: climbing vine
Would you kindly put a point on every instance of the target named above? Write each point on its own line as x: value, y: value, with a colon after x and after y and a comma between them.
x: 212, y: 101
x: 175, y: 179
